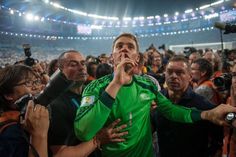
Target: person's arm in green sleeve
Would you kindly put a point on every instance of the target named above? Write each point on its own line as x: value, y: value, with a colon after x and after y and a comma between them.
x: 187, y: 115
x: 175, y: 112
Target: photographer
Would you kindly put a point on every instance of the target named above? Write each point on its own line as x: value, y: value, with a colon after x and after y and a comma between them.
x: 230, y: 133
x: 21, y: 138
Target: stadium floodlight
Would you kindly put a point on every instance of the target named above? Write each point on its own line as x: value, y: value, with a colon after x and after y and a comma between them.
x: 150, y: 17
x: 188, y: 11
x: 29, y: 16
x: 210, y: 16
x: 12, y: 12
x: 20, y: 14
x: 78, y: 12
x: 42, y: 19
x: 217, y: 2
x: 46, y: 1
x: 36, y: 18
x: 165, y: 15
x: 98, y: 27
x: 127, y: 18
x: 176, y: 13
x: 204, y: 6
x: 141, y: 18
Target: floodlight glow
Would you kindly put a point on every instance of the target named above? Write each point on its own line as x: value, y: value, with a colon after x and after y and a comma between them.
x: 96, y: 27
x: 217, y: 2
x: 46, y: 1
x: 56, y: 5
x: 204, y: 6
x: 42, y: 19
x: 12, y: 12
x: 20, y: 14
x: 176, y: 13
x: 127, y: 18
x: 188, y: 11
x: 150, y: 17
x: 210, y: 16
x: 141, y: 18
x: 165, y: 15
x: 36, y: 18
x: 29, y: 17
x: 78, y: 12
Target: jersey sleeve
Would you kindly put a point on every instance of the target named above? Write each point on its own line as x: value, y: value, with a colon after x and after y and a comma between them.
x: 93, y: 113
x: 176, y: 112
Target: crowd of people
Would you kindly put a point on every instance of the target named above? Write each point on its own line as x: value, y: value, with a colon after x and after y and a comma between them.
x: 127, y: 103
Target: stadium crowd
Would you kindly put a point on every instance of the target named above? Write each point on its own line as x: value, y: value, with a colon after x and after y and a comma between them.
x: 127, y: 103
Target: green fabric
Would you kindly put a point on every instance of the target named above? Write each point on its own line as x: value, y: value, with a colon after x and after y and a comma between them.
x: 132, y: 105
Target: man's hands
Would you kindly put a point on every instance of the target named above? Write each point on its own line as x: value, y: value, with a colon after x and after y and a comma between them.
x: 36, y: 120
x: 124, y: 71
x: 218, y: 114
x: 123, y: 75
x: 112, y: 133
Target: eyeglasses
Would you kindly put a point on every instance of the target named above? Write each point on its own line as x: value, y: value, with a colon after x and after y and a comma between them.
x: 29, y: 83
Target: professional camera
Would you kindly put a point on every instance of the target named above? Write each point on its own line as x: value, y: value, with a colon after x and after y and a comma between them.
x: 226, y: 26
x: 28, y: 61
x: 223, y: 82
x: 188, y: 50
x: 162, y: 47
x: 57, y: 84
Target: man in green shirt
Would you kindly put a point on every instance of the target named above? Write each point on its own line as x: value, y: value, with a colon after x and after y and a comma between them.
x: 127, y: 96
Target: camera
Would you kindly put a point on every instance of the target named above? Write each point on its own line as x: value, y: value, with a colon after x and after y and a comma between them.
x: 223, y: 82
x: 57, y: 84
x: 162, y: 47
x: 188, y: 50
x: 226, y: 26
x: 28, y: 61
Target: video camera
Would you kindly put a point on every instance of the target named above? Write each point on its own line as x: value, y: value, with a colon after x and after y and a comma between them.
x: 223, y: 82
x: 226, y: 26
x: 188, y: 50
x: 162, y: 47
x: 57, y: 84
x: 28, y: 61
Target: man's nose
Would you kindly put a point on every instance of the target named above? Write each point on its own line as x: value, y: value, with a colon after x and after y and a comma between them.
x: 124, y: 48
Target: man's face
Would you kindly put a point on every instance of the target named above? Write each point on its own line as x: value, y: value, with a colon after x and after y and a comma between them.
x: 195, y: 72
x: 74, y: 67
x: 210, y: 57
x: 177, y: 76
x: 192, y: 58
x: 156, y: 59
x: 124, y: 47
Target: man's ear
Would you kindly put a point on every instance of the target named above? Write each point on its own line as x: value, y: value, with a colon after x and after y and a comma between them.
x: 138, y: 58
x: 203, y: 73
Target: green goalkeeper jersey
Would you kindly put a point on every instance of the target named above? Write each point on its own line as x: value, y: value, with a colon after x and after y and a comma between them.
x: 132, y: 105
